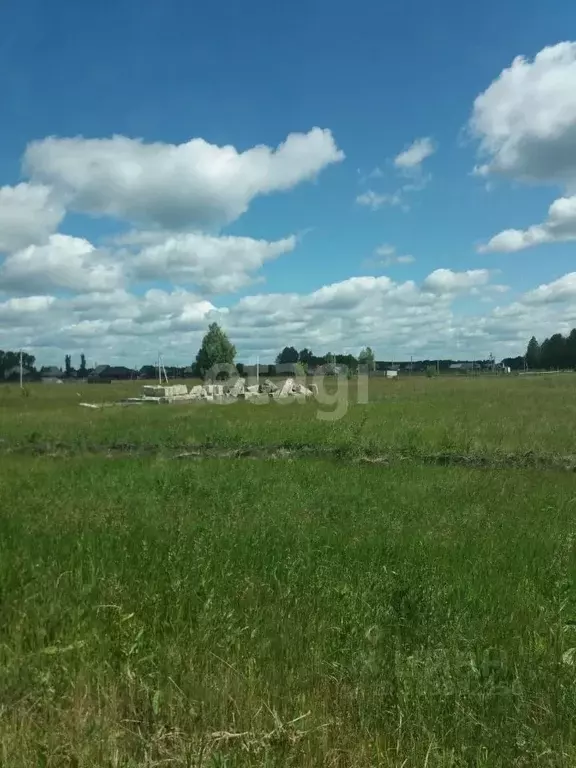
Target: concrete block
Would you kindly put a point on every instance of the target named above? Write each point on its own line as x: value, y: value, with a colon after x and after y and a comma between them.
x: 149, y: 390
x: 300, y: 389
x: 238, y: 388
x: 286, y: 389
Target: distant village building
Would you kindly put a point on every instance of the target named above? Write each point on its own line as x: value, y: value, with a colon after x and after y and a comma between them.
x: 51, y: 374
x: 105, y: 374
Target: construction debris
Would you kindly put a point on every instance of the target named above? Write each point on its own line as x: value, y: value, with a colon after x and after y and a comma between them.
x: 99, y: 406
x: 158, y: 394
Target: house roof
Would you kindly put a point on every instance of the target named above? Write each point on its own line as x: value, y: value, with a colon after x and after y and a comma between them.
x: 51, y: 370
x: 115, y: 369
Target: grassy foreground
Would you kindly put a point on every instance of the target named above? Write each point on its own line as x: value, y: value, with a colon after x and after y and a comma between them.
x: 287, y: 612
x: 189, y: 613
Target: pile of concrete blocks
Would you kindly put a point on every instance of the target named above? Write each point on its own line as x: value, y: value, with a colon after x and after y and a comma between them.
x: 290, y: 388
x: 221, y: 393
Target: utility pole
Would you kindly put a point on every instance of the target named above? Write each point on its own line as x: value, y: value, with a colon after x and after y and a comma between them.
x: 21, y: 372
x: 257, y: 370
x: 437, y: 367
x: 161, y: 370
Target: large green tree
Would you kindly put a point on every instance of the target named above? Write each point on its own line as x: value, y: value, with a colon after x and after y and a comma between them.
x: 216, y: 349
x: 288, y: 355
x: 10, y: 360
x: 571, y: 349
x: 366, y: 357
x: 533, y: 353
x: 305, y: 356
x: 553, y: 352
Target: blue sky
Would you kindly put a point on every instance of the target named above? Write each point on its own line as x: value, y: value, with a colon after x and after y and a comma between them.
x: 375, y: 78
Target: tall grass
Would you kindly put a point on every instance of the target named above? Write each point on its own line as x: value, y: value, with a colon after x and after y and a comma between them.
x: 238, y: 613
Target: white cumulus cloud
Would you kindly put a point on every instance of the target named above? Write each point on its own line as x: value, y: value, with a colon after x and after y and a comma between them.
x: 560, y: 226
x: 412, y: 157
x: 408, y: 165
x: 216, y: 264
x: 29, y: 213
x: 374, y: 200
x: 526, y: 119
x: 63, y: 262
x: 195, y: 184
x: 388, y: 256
x: 443, y: 281
x: 563, y: 289
x: 525, y: 122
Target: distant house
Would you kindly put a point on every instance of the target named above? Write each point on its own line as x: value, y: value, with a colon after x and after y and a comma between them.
x: 390, y: 372
x: 51, y: 374
x: 121, y: 373
x: 104, y: 374
x: 461, y: 367
x: 98, y: 375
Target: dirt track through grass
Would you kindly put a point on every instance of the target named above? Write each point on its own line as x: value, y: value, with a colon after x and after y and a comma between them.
x: 349, y: 454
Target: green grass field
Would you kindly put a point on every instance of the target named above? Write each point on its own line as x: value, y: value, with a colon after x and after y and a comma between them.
x: 393, y: 588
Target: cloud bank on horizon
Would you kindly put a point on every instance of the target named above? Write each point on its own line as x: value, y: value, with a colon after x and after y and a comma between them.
x: 170, y: 267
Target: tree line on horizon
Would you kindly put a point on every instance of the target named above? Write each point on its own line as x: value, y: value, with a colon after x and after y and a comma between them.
x: 558, y: 351
x: 555, y: 352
